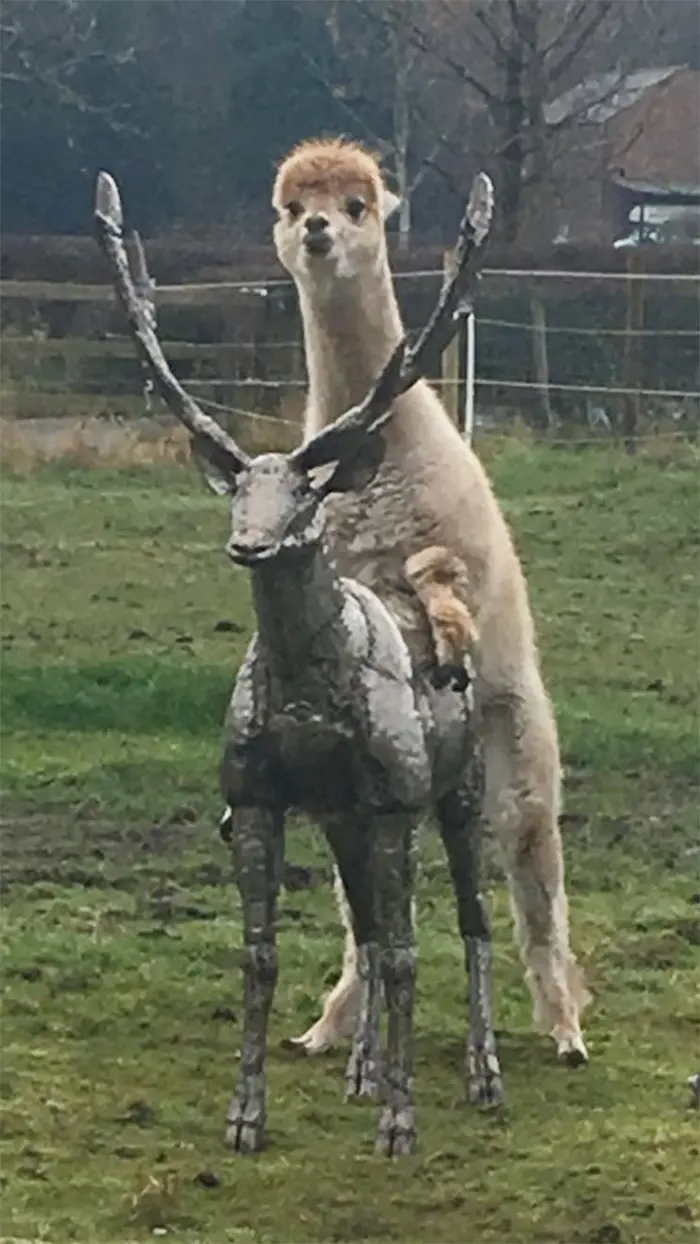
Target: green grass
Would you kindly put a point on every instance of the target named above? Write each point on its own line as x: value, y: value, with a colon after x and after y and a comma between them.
x: 121, y: 925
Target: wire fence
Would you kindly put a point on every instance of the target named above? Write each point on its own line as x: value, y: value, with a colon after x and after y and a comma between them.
x: 621, y: 353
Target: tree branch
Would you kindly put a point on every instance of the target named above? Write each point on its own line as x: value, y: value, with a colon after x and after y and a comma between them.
x: 480, y: 16
x: 346, y: 107
x: 515, y: 16
x: 569, y: 22
x: 416, y: 35
x: 566, y: 61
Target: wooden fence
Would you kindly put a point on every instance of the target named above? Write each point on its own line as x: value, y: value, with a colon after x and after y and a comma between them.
x: 238, y: 343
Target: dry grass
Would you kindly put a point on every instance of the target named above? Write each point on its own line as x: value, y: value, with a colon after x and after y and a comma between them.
x: 93, y: 443
x: 89, y: 443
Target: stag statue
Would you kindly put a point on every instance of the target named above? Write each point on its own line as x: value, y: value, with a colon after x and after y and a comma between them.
x: 328, y: 715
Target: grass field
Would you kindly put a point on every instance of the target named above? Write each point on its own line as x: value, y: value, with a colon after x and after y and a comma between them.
x: 123, y: 624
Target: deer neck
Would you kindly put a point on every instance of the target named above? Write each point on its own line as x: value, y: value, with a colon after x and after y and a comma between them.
x: 299, y: 605
x: 350, y: 330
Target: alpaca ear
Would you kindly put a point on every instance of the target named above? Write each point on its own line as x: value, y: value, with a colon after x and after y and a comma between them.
x: 390, y: 203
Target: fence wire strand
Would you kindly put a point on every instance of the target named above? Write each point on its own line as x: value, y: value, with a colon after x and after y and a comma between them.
x: 575, y: 331
x: 479, y: 380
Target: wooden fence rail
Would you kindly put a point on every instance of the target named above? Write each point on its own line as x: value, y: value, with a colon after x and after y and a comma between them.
x: 75, y: 348
x: 63, y: 351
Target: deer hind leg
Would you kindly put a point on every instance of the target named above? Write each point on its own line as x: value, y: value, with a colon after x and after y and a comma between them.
x: 393, y: 857
x: 460, y: 819
x: 359, y: 996
x: 341, y: 1007
x: 522, y: 798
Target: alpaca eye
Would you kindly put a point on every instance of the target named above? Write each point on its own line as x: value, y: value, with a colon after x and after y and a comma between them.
x: 355, y: 208
x: 295, y: 208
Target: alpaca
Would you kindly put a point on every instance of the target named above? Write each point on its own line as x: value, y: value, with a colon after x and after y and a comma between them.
x: 332, y: 204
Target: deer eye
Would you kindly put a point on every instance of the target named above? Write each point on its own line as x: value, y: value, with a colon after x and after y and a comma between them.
x: 295, y: 208
x: 354, y: 208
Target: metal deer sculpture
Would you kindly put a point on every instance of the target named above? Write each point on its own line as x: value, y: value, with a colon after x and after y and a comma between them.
x: 328, y: 716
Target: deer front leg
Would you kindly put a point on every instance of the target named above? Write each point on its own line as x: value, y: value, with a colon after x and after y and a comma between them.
x: 459, y: 815
x: 393, y: 874
x: 257, y: 839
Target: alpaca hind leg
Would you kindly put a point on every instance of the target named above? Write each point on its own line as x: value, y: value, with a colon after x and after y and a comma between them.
x: 522, y: 796
x: 341, y: 1007
x: 460, y: 819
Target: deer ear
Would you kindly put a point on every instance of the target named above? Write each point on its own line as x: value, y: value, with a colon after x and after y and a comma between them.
x: 390, y: 203
x: 357, y: 468
x: 218, y: 483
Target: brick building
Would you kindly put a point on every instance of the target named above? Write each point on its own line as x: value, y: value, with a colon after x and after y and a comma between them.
x: 626, y: 156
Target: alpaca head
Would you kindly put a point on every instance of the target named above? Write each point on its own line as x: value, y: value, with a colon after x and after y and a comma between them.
x: 331, y: 204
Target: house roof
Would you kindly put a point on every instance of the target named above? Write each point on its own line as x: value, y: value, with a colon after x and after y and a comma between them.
x: 638, y: 191
x: 598, y: 99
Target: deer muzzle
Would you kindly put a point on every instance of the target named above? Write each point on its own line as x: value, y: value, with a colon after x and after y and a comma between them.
x: 250, y: 551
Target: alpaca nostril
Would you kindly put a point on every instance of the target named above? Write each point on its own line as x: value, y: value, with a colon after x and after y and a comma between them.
x: 317, y: 224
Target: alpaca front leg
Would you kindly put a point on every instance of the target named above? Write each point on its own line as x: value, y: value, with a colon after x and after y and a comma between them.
x: 257, y: 836
x: 459, y: 814
x: 393, y: 857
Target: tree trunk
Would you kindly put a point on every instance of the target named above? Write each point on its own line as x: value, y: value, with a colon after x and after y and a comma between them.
x: 402, y: 131
x: 512, y: 153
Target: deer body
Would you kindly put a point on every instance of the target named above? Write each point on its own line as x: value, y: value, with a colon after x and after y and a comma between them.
x: 324, y: 709
x: 431, y: 490
x: 326, y: 718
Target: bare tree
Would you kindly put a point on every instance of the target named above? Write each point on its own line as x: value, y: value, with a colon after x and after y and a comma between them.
x: 48, y: 45
x: 512, y: 57
x: 403, y: 92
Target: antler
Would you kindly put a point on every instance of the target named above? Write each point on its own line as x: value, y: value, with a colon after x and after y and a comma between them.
x: 137, y: 299
x: 408, y: 363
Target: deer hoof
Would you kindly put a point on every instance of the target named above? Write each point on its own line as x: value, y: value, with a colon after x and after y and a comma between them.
x: 397, y: 1132
x: 484, y: 1083
x: 246, y: 1127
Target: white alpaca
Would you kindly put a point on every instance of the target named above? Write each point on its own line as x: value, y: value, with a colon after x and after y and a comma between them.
x: 431, y: 490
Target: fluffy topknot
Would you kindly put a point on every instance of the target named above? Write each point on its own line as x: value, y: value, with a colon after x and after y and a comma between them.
x: 335, y: 165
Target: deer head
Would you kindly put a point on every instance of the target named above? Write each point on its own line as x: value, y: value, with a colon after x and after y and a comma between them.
x: 277, y: 499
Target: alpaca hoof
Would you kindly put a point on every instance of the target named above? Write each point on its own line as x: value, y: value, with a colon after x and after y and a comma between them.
x: 450, y: 675
x: 316, y: 1040
x: 572, y: 1051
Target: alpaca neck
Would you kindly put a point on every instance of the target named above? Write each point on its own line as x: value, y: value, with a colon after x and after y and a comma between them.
x: 350, y: 331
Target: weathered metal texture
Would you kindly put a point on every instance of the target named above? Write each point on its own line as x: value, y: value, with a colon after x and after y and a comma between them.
x: 329, y: 716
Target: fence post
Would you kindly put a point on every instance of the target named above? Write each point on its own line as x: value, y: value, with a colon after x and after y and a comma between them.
x: 540, y: 358
x: 450, y: 357
x: 632, y: 362
x: 469, y: 376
